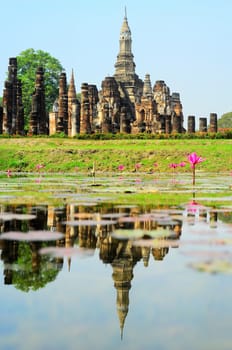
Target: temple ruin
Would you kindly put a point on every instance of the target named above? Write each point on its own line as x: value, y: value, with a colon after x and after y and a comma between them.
x: 12, y: 113
x: 124, y: 104
x: 38, y: 124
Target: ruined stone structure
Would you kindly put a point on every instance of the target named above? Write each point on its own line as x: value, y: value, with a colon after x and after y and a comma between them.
x: 129, y: 105
x: 124, y: 104
x: 202, y: 124
x: 53, y: 116
x: 191, y: 124
x: 73, y: 109
x: 38, y: 124
x: 12, y: 114
x: 85, y: 126
x: 145, y: 110
x: 109, y: 106
x: 213, y: 122
x: 122, y: 275
x: 62, y: 120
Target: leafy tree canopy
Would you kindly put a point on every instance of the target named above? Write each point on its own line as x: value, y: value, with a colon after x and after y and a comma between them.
x: 28, y: 62
x: 225, y: 121
x: 27, y: 278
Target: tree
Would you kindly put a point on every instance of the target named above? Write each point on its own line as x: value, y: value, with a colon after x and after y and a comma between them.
x: 28, y: 62
x: 27, y: 277
x: 225, y: 121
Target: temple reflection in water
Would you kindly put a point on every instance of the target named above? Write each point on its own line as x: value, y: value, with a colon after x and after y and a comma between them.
x: 85, y: 226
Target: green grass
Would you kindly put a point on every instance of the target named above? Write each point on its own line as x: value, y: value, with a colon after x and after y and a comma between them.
x: 57, y: 154
x: 74, y: 157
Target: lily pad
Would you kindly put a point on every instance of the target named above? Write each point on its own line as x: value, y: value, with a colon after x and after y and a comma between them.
x: 213, y: 266
x: 128, y: 234
x: 88, y: 204
x: 32, y: 236
x: 24, y: 216
x: 7, y: 216
x: 132, y: 219
x: 157, y: 243
x: 113, y: 215
x: 162, y: 233
x: 171, y: 211
x: 13, y: 216
x: 59, y: 252
x: 126, y: 206
x: 167, y: 222
x: 88, y: 222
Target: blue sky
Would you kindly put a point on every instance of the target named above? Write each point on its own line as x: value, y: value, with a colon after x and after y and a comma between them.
x: 187, y: 43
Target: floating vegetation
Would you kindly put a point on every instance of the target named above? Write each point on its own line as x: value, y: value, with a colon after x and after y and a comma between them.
x: 6, y: 197
x: 213, y: 266
x: 87, y: 204
x: 32, y: 236
x: 133, y: 219
x: 13, y: 216
x: 74, y: 223
x: 113, y: 215
x: 157, y: 243
x: 59, y: 252
x: 128, y: 234
x: 133, y: 234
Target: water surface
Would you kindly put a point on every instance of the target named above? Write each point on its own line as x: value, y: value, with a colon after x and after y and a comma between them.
x: 128, y: 278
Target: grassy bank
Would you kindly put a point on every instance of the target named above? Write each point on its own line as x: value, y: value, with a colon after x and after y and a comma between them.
x: 70, y: 155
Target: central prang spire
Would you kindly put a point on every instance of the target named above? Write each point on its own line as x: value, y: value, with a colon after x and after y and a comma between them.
x: 125, y: 66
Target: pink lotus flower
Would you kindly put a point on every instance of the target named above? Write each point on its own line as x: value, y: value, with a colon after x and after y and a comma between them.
x: 137, y: 166
x: 121, y: 167
x: 173, y: 165
x: 39, y: 166
x: 182, y: 164
x: 9, y: 173
x: 193, y: 206
x: 194, y: 159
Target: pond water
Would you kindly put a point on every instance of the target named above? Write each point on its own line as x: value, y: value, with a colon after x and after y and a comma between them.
x: 104, y: 276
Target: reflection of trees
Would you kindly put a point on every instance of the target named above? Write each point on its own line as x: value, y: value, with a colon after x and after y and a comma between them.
x: 29, y: 270
x: 24, y: 267
x: 35, y: 271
